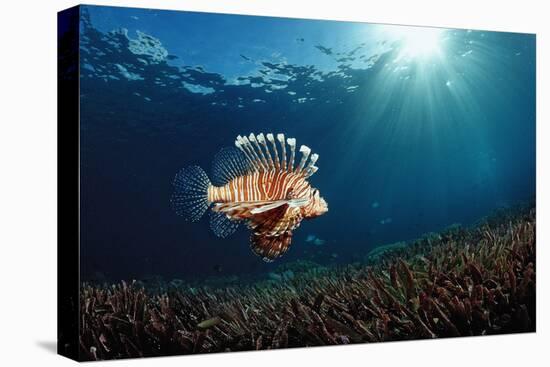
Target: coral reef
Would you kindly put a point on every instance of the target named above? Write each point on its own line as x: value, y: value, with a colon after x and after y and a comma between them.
x: 378, y: 252
x: 462, y: 282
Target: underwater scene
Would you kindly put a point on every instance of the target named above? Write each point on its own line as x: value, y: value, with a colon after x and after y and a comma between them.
x: 251, y: 183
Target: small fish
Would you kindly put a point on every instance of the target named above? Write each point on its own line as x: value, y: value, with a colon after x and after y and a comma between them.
x: 319, y: 242
x: 209, y: 323
x: 325, y: 50
x: 254, y: 186
x: 315, y: 240
x: 386, y: 221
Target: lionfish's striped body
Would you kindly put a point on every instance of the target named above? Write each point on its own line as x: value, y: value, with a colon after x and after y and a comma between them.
x: 270, y: 194
x: 260, y: 186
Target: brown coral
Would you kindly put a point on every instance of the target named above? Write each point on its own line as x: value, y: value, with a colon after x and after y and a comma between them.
x: 464, y: 282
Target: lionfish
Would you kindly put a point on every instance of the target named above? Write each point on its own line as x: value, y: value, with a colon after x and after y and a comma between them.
x: 254, y: 186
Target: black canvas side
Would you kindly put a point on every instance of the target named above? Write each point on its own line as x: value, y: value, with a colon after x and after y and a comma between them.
x: 68, y: 182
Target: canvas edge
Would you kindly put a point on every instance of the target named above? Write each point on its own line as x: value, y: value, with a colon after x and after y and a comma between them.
x: 68, y: 162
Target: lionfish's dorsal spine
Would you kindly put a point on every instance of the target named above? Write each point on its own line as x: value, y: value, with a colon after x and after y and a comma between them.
x: 281, y: 138
x: 292, y: 143
x: 240, y: 143
x: 305, y: 150
x: 252, y: 138
x: 275, y: 152
x: 311, y: 168
x: 261, y: 139
x: 255, y: 158
x: 252, y: 145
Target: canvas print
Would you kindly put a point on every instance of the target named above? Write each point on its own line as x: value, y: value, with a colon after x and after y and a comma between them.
x: 252, y: 183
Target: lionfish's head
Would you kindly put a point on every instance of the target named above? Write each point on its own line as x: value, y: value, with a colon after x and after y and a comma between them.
x: 317, y: 206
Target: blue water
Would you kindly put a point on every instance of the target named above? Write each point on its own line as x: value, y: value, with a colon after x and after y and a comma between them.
x: 409, y: 143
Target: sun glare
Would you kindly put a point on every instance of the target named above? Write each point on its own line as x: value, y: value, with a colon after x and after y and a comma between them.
x: 416, y: 42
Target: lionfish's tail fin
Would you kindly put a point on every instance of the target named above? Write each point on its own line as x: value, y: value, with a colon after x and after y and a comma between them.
x: 270, y: 247
x: 259, y: 153
x: 190, y: 197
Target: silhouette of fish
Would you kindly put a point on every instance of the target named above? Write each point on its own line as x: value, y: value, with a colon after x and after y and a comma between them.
x: 271, y: 195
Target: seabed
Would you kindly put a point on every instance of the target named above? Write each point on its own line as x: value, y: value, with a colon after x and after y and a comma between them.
x: 461, y: 282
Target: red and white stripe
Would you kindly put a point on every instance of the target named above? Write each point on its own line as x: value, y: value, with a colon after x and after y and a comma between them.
x: 261, y: 186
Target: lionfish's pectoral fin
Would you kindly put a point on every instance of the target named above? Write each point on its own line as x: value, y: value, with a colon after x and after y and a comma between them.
x: 270, y: 247
x: 234, y: 207
x: 247, y: 209
x: 222, y: 225
x: 272, y: 231
x: 292, y: 203
x: 267, y: 207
